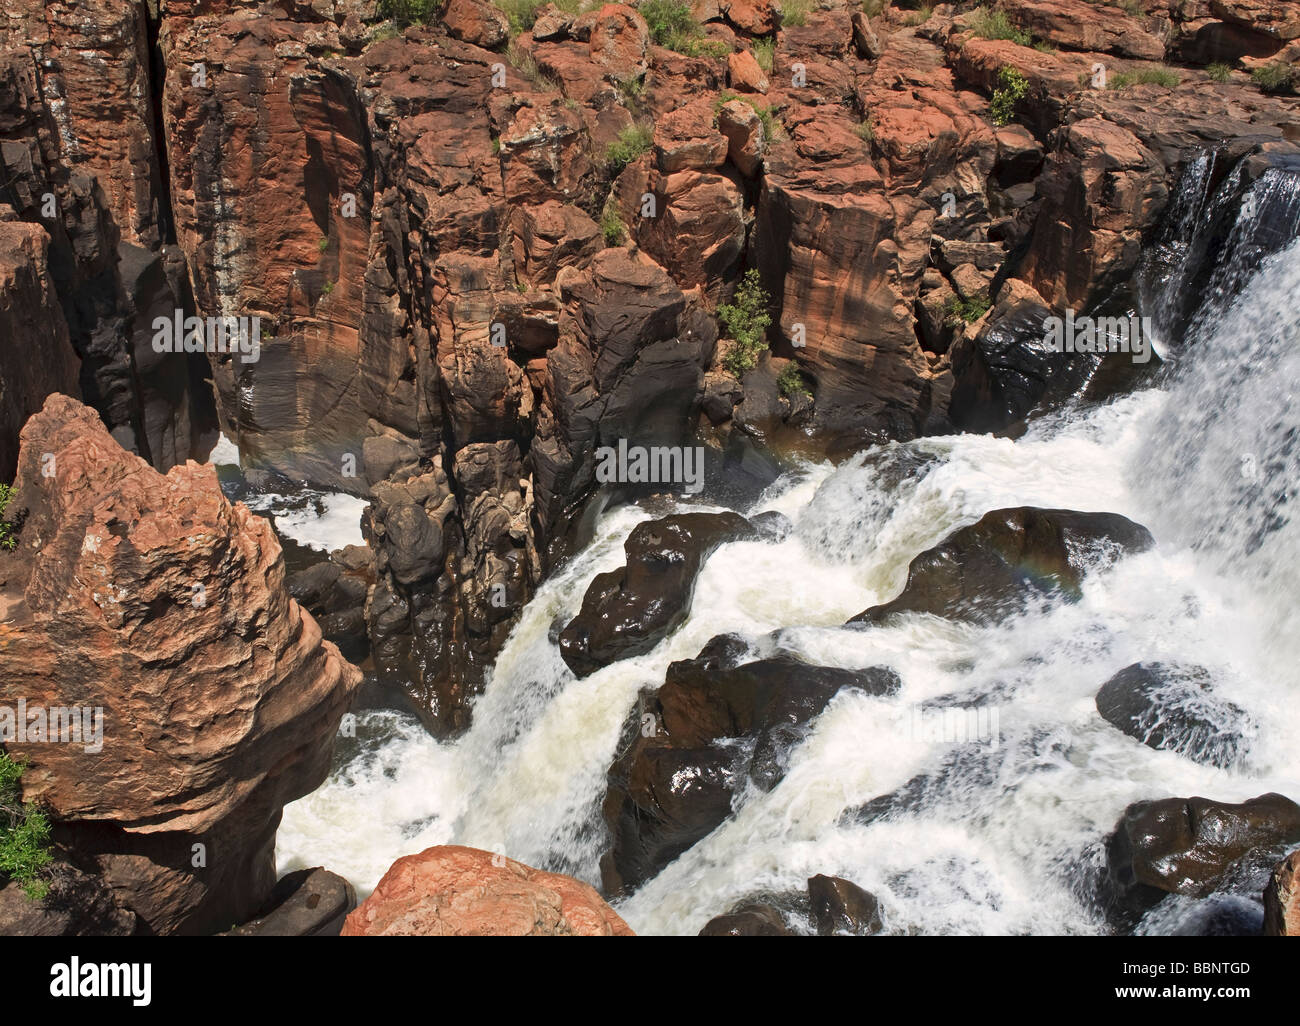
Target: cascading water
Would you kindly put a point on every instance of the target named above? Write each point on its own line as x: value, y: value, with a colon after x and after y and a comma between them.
x: 999, y: 835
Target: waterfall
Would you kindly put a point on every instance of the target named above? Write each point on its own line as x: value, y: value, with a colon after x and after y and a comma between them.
x: 1000, y: 835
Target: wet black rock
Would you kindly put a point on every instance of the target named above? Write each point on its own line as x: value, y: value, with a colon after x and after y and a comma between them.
x: 989, y: 570
x: 626, y: 612
x: 841, y: 906
x: 1171, y: 707
x: 750, y: 920
x: 1187, y: 846
x: 691, y: 744
x: 304, y: 903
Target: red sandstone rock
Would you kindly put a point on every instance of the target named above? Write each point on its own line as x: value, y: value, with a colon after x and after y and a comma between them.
x: 744, y: 73
x: 481, y: 24
x: 619, y: 41
x: 453, y: 891
x: 156, y: 600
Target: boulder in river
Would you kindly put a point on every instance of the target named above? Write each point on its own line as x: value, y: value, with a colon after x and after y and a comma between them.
x: 841, y: 906
x: 715, y: 721
x: 1186, y: 846
x: 990, y: 569
x: 1171, y: 707
x: 626, y: 612
x: 753, y: 919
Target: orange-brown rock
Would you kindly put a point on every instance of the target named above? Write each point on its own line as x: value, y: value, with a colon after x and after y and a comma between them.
x: 744, y: 73
x: 1078, y: 25
x: 453, y: 891
x: 1282, y: 899
x: 155, y: 601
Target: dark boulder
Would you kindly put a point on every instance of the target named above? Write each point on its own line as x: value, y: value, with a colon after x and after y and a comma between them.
x: 840, y: 906
x: 305, y: 903
x: 692, y: 743
x: 1170, y: 707
x: 1186, y: 846
x: 77, y: 904
x: 749, y: 920
x: 990, y: 569
x: 626, y: 612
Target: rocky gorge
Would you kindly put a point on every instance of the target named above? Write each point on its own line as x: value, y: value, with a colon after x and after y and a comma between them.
x: 483, y: 244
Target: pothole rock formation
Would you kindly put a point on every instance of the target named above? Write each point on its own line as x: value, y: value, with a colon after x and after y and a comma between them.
x: 155, y: 600
x: 990, y: 569
x: 453, y: 891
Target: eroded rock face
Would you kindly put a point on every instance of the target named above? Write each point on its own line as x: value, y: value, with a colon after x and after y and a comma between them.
x: 628, y: 611
x: 674, y: 783
x: 1282, y: 899
x: 1186, y: 845
x: 990, y: 569
x: 453, y: 891
x: 155, y: 600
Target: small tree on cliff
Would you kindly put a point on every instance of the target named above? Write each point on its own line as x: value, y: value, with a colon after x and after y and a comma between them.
x: 745, y: 321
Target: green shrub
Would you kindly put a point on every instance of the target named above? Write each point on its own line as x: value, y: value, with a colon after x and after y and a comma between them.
x: 794, y: 12
x: 919, y: 16
x: 790, y: 382
x: 965, y: 311
x: 745, y: 320
x: 994, y: 24
x: 672, y: 24
x: 1012, y: 88
x: 24, y: 833
x: 1219, y: 72
x: 865, y: 131
x: 1147, y: 76
x: 611, y: 225
x: 410, y: 12
x: 7, y: 539
x: 630, y: 144
x: 1274, y: 78
x: 765, y: 53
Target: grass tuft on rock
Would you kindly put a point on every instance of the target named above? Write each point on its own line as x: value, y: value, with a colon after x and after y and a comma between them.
x: 24, y: 833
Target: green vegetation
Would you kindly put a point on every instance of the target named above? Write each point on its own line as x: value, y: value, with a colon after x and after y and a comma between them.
x: 327, y: 288
x: 410, y: 12
x: 1147, y: 76
x: 1219, y: 72
x: 872, y: 8
x: 611, y: 224
x: 790, y: 382
x: 865, y: 131
x: 746, y: 321
x: 323, y: 245
x: 7, y: 539
x: 1012, y: 88
x: 765, y: 53
x: 630, y: 144
x: 1274, y: 78
x: 965, y: 311
x: 794, y: 12
x: 919, y: 16
x: 24, y: 833
x: 523, y: 13
x: 672, y: 24
x: 526, y: 64
x: 994, y: 24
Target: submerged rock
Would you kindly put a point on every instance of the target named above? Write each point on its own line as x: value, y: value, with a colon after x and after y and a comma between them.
x: 748, y: 920
x: 1170, y: 707
x: 453, y: 891
x: 1186, y: 846
x: 991, y: 569
x: 628, y: 611
x: 713, y: 723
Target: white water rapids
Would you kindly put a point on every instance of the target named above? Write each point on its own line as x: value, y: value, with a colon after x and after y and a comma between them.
x: 1004, y: 837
